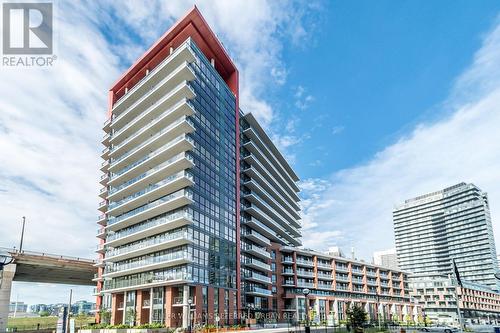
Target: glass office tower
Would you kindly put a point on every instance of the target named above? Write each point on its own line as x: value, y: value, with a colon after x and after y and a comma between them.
x: 452, y: 224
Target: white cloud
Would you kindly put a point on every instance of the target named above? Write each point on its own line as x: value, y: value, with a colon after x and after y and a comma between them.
x: 51, y: 119
x: 302, y: 98
x: 461, y: 146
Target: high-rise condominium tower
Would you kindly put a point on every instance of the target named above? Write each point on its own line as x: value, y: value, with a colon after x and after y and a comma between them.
x: 452, y: 224
x: 187, y: 222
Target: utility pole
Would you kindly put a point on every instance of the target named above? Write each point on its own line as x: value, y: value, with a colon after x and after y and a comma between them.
x: 22, y: 235
x: 69, y: 311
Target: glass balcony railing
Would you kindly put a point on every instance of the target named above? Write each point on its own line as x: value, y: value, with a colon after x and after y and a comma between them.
x: 304, y: 272
x: 253, y: 289
x: 305, y: 262
x: 305, y: 284
x: 150, y: 123
x: 162, y: 200
x: 259, y: 277
x: 150, y: 155
x: 162, y: 238
x: 257, y: 249
x: 324, y: 265
x: 151, y: 139
x: 150, y: 171
x: 258, y: 263
x: 166, y: 218
x: 258, y: 236
x: 150, y: 188
x: 164, y: 258
x: 146, y: 278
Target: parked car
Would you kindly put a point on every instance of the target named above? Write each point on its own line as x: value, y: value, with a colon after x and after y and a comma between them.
x: 440, y: 329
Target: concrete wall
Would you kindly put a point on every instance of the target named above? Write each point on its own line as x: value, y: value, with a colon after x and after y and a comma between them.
x: 5, y: 287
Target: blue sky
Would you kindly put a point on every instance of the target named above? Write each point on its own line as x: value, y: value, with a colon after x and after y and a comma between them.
x: 372, y: 102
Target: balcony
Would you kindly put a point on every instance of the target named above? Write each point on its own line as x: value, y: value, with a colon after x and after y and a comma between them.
x: 287, y: 271
x: 149, y: 245
x: 257, y: 264
x: 324, y: 286
x: 264, y: 218
x: 179, y: 301
x: 357, y: 271
x: 152, y: 192
x: 287, y: 260
x: 171, y: 166
x: 326, y: 266
x: 258, y: 172
x: 103, y: 206
x: 180, y: 75
x: 102, y: 219
x: 101, y: 233
x: 263, y: 229
x: 305, y: 284
x: 254, y: 145
x: 103, y: 192
x: 270, y: 211
x: 357, y: 281
x: 288, y: 283
x: 302, y: 262
x: 182, y: 54
x: 257, y: 251
x: 179, y: 110
x: 341, y: 268
x: 149, y: 228
x: 255, y: 277
x: 105, y: 153
x: 164, y: 136
x: 146, y: 280
x: 284, y: 210
x: 257, y: 238
x: 256, y: 291
x: 260, y: 182
x: 175, y: 147
x: 100, y: 248
x: 167, y: 203
x: 105, y: 139
x: 99, y: 263
x: 97, y: 278
x: 104, y: 179
x: 104, y: 166
x: 343, y: 278
x: 148, y: 264
x: 107, y: 126
x: 301, y: 272
x: 325, y: 276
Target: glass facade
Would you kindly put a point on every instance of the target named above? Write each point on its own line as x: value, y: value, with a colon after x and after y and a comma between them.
x: 214, y: 195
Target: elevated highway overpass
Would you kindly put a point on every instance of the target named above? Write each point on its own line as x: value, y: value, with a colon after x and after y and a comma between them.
x: 28, y: 266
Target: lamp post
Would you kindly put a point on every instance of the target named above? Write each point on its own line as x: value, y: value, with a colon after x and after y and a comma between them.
x: 190, y: 301
x: 306, y: 292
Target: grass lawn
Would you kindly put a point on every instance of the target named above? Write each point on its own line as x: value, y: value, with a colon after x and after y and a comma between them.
x: 45, y: 322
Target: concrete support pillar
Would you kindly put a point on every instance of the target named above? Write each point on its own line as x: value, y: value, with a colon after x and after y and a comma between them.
x: 185, y: 307
x: 7, y: 275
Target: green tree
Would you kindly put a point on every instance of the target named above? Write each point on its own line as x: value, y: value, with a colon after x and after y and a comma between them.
x: 44, y: 313
x: 356, y: 317
x: 105, y: 316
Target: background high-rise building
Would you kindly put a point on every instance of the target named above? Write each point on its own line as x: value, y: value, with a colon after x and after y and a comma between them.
x: 433, y: 229
x: 386, y: 258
